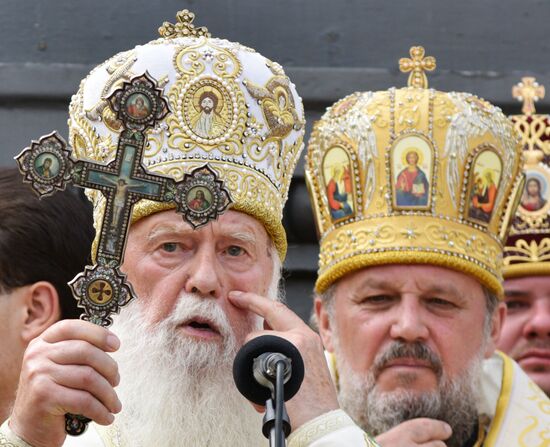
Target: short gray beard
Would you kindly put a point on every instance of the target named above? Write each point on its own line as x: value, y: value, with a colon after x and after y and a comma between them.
x: 454, y: 401
x: 176, y: 391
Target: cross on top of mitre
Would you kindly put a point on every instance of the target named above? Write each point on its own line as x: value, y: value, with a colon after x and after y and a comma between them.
x: 183, y: 27
x: 529, y: 91
x: 417, y: 64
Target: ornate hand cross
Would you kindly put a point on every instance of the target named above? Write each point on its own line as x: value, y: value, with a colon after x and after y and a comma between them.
x: 48, y: 165
x: 417, y: 65
x: 529, y: 91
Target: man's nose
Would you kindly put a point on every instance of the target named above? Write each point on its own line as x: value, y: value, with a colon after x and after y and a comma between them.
x: 204, y: 276
x: 538, y: 324
x: 409, y: 324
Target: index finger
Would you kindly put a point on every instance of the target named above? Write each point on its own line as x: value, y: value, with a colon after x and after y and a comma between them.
x: 425, y: 429
x: 274, y: 312
x: 82, y: 330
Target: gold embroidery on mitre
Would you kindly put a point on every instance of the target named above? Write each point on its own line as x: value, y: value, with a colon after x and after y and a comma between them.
x: 183, y: 27
x: 527, y: 251
x: 413, y: 174
x: 277, y: 104
x: 214, y: 119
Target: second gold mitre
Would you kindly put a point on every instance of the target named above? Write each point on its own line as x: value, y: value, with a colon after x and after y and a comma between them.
x: 413, y: 175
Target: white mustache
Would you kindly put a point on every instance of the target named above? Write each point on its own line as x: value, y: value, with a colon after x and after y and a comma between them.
x: 190, y: 306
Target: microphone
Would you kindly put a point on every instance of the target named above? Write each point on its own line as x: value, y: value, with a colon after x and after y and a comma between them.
x: 255, y: 368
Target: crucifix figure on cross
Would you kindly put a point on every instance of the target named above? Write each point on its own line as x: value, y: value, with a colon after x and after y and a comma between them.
x: 101, y: 290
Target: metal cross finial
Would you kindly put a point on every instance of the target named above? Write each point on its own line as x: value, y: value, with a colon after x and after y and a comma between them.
x: 101, y: 290
x: 183, y: 27
x: 417, y: 65
x: 529, y: 91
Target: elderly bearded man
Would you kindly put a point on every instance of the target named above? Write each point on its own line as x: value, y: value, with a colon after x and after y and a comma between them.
x: 526, y: 330
x: 201, y: 293
x: 407, y: 302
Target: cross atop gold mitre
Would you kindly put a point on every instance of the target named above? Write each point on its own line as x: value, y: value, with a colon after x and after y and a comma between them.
x: 529, y: 91
x: 417, y: 65
x: 183, y: 27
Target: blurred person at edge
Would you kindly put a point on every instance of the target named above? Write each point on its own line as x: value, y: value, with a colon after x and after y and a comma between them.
x: 526, y: 330
x: 43, y: 245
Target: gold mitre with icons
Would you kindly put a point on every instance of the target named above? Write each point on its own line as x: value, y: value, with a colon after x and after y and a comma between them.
x: 229, y: 107
x: 527, y: 250
x: 413, y: 176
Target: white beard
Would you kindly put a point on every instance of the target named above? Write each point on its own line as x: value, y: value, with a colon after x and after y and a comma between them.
x: 176, y: 391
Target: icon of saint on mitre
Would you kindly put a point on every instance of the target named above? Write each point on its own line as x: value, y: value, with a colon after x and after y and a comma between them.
x: 412, y: 160
x: 484, y: 186
x: 534, y: 197
x: 337, y: 173
x: 208, y: 115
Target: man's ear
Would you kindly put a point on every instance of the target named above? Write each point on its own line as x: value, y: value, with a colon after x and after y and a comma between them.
x: 42, y: 309
x: 497, y: 320
x: 323, y: 321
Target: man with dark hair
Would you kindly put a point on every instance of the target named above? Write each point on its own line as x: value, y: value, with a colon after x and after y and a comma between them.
x: 526, y: 330
x: 43, y: 245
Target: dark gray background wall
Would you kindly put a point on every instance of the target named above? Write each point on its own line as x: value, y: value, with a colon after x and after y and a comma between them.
x: 329, y: 48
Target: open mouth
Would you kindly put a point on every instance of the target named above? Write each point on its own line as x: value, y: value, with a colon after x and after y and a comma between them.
x: 199, y: 327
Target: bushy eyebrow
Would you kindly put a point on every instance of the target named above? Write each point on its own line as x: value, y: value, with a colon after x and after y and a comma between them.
x: 515, y: 293
x: 182, y: 230
x: 167, y: 229
x: 383, y: 284
x: 243, y: 236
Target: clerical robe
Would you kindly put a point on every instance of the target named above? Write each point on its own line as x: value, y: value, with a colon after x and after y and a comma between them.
x: 513, y: 411
x: 333, y: 429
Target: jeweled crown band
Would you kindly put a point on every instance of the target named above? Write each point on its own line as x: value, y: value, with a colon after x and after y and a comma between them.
x: 401, y: 240
x: 413, y: 175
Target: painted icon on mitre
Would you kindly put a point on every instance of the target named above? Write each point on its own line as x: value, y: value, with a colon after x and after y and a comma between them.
x: 535, y: 193
x: 412, y: 166
x: 338, y: 180
x: 484, y: 184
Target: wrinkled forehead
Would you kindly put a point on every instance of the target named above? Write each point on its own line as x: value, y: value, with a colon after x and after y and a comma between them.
x: 232, y: 224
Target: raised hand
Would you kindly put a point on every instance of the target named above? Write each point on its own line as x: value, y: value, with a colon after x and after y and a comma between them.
x: 65, y: 370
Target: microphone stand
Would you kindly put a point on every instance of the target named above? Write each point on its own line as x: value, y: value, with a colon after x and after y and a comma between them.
x: 276, y: 423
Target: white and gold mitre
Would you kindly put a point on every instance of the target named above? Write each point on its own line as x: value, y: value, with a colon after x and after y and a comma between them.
x: 229, y: 106
x: 527, y: 250
x: 413, y: 175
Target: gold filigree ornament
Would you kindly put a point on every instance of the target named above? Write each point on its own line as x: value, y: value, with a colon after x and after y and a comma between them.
x: 229, y: 107
x: 413, y: 175
x: 527, y: 249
